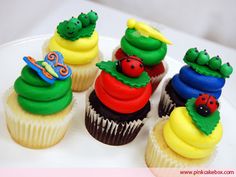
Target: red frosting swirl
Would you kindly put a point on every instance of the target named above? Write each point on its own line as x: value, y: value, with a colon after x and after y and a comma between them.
x: 120, y: 97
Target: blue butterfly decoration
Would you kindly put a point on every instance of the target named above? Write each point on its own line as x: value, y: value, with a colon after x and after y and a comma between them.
x: 52, y: 68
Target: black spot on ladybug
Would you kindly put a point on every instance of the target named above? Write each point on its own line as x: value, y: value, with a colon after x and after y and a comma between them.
x: 203, y: 99
x: 211, y: 102
x: 128, y: 60
x: 132, y: 66
x: 203, y: 110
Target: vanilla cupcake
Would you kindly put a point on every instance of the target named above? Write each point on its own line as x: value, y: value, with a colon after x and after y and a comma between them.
x: 188, y: 138
x: 39, y: 108
x: 77, y: 40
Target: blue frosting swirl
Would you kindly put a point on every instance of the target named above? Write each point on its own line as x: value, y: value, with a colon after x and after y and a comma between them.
x: 189, y: 84
x: 199, y: 81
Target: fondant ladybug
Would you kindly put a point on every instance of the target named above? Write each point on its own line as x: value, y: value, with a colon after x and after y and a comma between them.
x: 206, y: 104
x: 131, y: 66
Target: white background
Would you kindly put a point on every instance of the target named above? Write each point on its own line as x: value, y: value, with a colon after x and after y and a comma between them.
x: 210, y: 19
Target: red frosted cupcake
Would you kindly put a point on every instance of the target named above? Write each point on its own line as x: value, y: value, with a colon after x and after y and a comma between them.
x: 119, y: 104
x: 148, y: 44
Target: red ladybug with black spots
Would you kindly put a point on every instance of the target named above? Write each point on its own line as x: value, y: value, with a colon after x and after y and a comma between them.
x: 131, y: 66
x: 206, y: 104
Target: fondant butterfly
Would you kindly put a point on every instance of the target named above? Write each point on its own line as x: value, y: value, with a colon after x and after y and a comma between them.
x: 51, y: 68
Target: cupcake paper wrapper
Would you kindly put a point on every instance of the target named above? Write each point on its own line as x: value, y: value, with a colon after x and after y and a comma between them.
x: 83, y: 76
x: 155, y: 157
x: 166, y: 105
x: 109, y: 131
x: 31, y: 131
x: 82, y: 79
x: 155, y: 80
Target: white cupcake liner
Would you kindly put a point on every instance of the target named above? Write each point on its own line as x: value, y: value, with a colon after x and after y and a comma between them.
x: 155, y: 157
x: 155, y: 80
x: 36, y: 131
x: 166, y: 105
x: 109, y: 131
x: 82, y: 78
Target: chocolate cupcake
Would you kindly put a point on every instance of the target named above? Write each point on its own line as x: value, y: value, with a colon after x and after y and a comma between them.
x: 118, y: 106
x: 202, y: 74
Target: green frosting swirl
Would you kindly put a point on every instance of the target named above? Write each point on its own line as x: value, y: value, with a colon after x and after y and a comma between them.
x: 38, y: 97
x: 31, y: 77
x: 55, y: 91
x: 45, y: 108
x: 150, y: 50
x: 142, y: 42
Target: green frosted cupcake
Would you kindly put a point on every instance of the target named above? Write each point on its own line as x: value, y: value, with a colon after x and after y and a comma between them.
x: 39, y: 108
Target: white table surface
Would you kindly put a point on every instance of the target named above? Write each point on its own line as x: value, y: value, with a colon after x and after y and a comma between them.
x: 112, y: 23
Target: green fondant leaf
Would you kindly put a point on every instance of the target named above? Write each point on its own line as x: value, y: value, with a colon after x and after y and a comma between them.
x: 110, y: 67
x: 204, y: 124
x: 204, y: 69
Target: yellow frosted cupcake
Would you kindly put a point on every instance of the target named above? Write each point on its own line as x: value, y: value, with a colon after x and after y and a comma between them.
x: 77, y: 40
x: 188, y: 138
x: 39, y: 108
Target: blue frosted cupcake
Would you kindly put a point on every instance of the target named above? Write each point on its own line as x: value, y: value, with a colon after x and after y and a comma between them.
x: 202, y: 74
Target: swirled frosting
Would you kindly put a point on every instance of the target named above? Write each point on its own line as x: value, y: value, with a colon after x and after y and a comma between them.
x: 120, y: 97
x: 184, y: 138
x: 39, y: 97
x: 78, y: 52
x: 150, y: 50
x: 189, y: 84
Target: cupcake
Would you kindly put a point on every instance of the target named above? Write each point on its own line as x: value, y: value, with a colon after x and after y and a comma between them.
x: 119, y: 105
x: 39, y: 108
x: 188, y: 138
x: 202, y: 74
x: 77, y: 40
x: 148, y: 44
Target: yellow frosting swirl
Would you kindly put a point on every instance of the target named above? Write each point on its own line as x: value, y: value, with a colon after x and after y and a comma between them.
x: 79, y: 52
x: 183, y: 137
